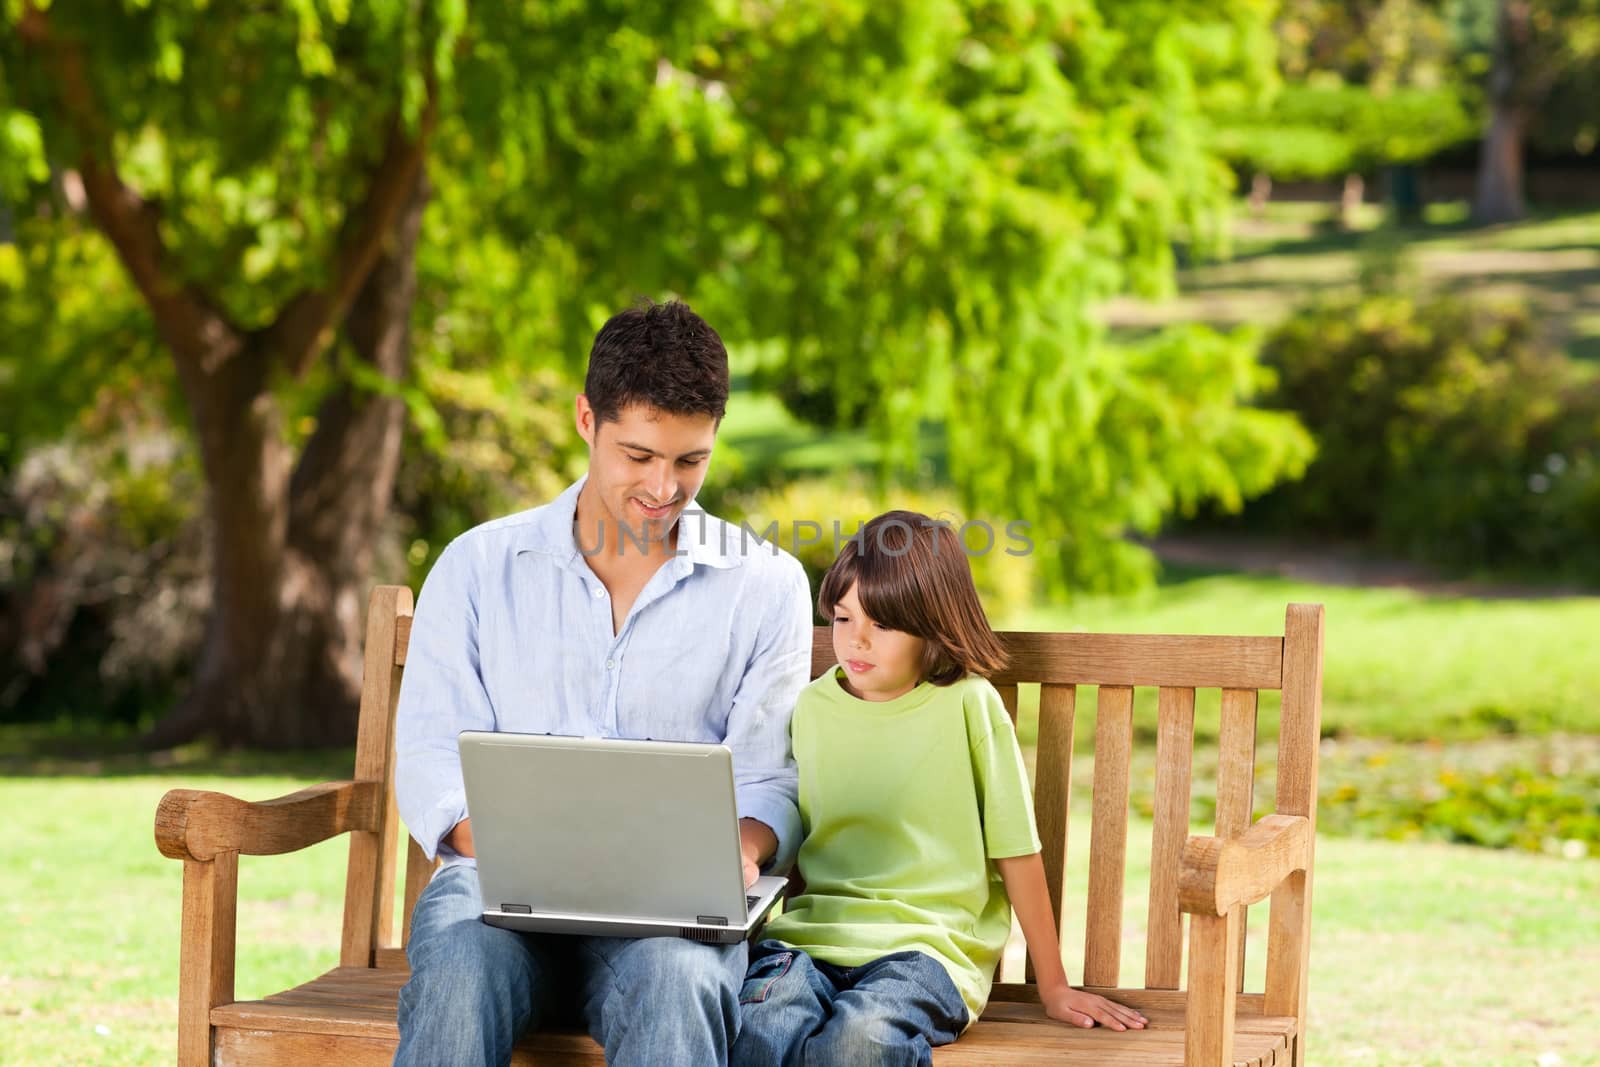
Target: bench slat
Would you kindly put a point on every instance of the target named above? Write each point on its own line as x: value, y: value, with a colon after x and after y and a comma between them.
x: 1174, y: 750
x: 1195, y: 660
x: 369, y: 878
x: 1201, y: 662
x: 1108, y: 840
x: 1213, y: 962
x: 249, y: 1047
x: 1008, y: 697
x: 1299, y: 731
x: 1044, y: 1041
x: 419, y: 871
x: 1052, y: 791
x: 1236, y: 767
x: 1247, y: 1004
x: 347, y: 1016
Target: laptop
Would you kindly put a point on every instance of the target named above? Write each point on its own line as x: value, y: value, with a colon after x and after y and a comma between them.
x: 584, y: 835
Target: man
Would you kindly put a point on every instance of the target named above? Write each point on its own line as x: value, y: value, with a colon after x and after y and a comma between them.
x: 617, y: 610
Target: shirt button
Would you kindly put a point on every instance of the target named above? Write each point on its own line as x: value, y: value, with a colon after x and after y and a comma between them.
x: 610, y: 663
x: 598, y: 593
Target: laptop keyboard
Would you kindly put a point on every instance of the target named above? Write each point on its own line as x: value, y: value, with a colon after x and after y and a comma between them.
x: 750, y: 902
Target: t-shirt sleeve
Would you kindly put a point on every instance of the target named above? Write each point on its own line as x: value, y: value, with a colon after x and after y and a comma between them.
x: 1003, y: 794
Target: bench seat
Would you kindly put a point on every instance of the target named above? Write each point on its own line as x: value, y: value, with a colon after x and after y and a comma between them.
x: 347, y: 1016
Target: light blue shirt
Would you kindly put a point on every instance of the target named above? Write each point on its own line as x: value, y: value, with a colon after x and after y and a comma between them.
x: 513, y: 632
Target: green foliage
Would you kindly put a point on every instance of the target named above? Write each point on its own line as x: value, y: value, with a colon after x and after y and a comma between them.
x: 71, y: 331
x: 1141, y: 431
x: 253, y: 128
x: 1445, y: 429
x: 1548, y: 65
x: 1540, y: 797
x: 917, y: 205
x: 1004, y: 565
x: 490, y: 395
x: 913, y: 207
x: 1363, y: 85
x: 1323, y: 130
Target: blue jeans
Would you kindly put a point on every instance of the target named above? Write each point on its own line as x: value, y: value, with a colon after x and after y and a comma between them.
x: 476, y: 988
x: 801, y: 1011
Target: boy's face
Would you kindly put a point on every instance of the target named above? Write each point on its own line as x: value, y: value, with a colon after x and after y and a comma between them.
x: 879, y: 663
x: 644, y: 468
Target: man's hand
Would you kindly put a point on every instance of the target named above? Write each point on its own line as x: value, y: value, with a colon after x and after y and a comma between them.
x: 460, y: 838
x: 1088, y: 1009
x: 757, y: 843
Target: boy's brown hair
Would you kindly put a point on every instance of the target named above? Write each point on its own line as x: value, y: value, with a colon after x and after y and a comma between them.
x: 911, y: 574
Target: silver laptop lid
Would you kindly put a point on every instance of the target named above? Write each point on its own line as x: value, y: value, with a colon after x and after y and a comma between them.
x: 604, y: 827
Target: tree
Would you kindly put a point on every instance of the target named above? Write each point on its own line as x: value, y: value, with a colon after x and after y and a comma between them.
x: 921, y: 203
x: 1535, y: 47
x: 1364, y: 85
x: 158, y: 116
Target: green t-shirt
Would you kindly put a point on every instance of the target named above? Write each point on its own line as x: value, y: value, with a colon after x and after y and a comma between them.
x: 904, y: 802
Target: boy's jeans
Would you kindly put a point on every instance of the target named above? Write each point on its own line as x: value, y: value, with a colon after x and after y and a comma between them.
x: 801, y: 1011
x: 475, y: 988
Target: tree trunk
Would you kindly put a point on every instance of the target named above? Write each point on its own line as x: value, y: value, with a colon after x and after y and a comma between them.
x: 1260, y: 193
x: 1499, y: 193
x: 292, y: 545
x: 1350, y: 200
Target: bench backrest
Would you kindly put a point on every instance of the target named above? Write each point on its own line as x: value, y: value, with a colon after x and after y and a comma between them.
x: 1054, y: 665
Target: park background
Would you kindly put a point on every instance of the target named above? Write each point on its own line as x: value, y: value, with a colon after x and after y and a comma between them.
x: 1236, y: 302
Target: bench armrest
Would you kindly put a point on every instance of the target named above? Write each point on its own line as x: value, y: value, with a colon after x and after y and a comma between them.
x: 193, y: 824
x: 1216, y: 874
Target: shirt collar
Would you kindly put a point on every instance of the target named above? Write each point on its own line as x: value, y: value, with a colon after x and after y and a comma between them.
x: 703, y: 539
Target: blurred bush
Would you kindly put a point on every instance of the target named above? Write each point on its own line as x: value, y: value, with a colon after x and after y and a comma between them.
x: 1447, y: 430
x: 104, y: 573
x: 1006, y: 582
x: 1324, y: 129
x: 1534, y: 794
x: 103, y: 579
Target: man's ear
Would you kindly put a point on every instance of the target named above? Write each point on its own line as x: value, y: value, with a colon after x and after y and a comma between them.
x: 583, y: 418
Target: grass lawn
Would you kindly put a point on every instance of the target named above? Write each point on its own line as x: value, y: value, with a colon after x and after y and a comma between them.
x: 1422, y: 954
x: 1287, y: 255
x: 1397, y: 664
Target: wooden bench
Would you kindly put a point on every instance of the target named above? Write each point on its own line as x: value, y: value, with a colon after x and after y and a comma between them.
x: 347, y: 1016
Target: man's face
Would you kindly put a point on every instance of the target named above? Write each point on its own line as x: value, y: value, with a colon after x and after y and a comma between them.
x: 644, y: 467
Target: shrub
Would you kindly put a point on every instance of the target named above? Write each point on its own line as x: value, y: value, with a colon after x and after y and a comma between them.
x: 103, y: 589
x: 1447, y: 431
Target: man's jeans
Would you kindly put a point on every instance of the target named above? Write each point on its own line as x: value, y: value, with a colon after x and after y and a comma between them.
x: 801, y: 1011
x: 475, y: 988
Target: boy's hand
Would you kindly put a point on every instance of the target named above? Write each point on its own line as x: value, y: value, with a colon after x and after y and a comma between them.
x: 1089, y: 1009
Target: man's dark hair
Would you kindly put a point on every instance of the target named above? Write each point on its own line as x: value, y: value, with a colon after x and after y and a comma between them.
x: 661, y: 355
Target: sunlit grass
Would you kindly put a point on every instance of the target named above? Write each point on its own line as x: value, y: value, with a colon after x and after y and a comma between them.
x: 1402, y: 932
x: 1397, y: 663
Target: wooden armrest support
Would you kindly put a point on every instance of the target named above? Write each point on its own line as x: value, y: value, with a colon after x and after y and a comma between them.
x: 194, y: 824
x: 1218, y: 874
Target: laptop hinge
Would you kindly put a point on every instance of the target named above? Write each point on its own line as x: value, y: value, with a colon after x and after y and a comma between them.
x: 711, y: 920
x: 517, y: 909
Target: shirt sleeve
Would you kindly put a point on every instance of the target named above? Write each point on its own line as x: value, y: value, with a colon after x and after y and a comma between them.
x: 441, y: 694
x: 1004, y: 799
x: 765, y: 779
